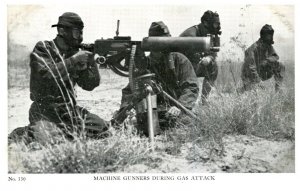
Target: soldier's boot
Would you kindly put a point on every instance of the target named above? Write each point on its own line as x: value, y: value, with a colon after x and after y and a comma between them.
x: 279, y: 71
x: 21, y: 134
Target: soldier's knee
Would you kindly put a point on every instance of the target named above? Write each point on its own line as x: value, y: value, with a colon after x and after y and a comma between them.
x: 21, y: 134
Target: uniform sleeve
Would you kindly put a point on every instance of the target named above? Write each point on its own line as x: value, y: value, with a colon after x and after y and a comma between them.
x: 188, y: 83
x: 44, y: 64
x: 90, y: 78
x: 272, y: 55
x: 251, y: 65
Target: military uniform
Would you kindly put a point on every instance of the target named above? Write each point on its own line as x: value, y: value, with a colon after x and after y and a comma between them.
x: 261, y: 63
x: 180, y: 82
x: 209, y: 71
x: 174, y: 72
x: 52, y: 80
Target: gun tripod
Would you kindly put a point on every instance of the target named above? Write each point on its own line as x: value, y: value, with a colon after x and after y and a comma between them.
x: 144, y: 102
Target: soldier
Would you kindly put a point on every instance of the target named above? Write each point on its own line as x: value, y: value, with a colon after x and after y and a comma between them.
x: 261, y: 61
x: 177, y: 78
x: 56, y: 67
x: 204, y: 63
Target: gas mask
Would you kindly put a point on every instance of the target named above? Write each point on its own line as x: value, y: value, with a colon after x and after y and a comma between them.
x: 73, y: 37
x: 268, y: 39
x: 215, y: 25
x: 215, y: 28
x: 266, y: 34
x: 212, y: 22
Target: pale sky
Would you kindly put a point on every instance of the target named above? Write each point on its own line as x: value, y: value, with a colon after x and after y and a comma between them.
x: 29, y: 24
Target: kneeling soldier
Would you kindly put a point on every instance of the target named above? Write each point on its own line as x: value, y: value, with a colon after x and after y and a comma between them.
x: 261, y: 62
x: 176, y: 76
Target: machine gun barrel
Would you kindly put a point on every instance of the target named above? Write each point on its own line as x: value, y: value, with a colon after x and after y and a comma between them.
x: 112, y: 52
x: 178, y: 44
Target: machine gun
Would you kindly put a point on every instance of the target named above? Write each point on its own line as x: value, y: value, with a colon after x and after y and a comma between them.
x: 119, y: 55
x: 115, y: 53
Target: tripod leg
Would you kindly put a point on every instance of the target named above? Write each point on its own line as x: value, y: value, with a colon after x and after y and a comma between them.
x: 188, y: 112
x: 150, y: 117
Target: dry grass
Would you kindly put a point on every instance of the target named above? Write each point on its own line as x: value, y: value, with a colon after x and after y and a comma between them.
x: 262, y: 113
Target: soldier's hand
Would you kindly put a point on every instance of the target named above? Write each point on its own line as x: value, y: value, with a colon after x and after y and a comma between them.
x: 206, y: 60
x: 173, y: 112
x: 80, y: 59
x: 271, y: 59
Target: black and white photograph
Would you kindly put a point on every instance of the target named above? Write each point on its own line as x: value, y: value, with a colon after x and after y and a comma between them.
x: 150, y: 89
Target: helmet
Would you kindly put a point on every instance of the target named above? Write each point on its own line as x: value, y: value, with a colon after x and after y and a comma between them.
x: 73, y: 26
x: 69, y: 19
x: 207, y: 16
x: 159, y: 29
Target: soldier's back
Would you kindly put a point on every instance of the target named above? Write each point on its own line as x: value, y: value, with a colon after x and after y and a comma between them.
x: 191, y: 31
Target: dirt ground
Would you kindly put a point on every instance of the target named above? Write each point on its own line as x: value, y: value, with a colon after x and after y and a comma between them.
x: 242, y: 153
